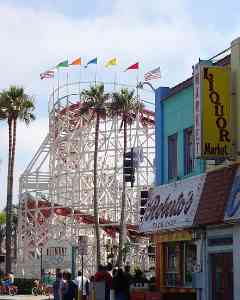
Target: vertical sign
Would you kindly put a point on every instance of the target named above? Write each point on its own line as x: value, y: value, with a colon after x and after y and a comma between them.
x: 197, y: 110
x: 82, y: 244
x: 215, y: 99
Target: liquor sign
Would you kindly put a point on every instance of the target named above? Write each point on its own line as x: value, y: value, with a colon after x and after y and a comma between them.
x: 56, y: 254
x: 173, y: 206
x: 215, y: 98
x: 82, y: 244
x: 197, y: 110
x: 232, y: 211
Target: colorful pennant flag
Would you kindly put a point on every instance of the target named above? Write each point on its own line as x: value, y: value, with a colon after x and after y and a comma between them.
x: 46, y: 75
x: 76, y: 62
x: 111, y: 62
x: 63, y: 64
x: 154, y: 74
x: 92, y: 61
x: 133, y: 67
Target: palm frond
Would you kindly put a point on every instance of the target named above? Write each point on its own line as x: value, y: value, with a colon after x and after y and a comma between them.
x: 15, y: 104
x: 126, y: 105
x: 95, y: 100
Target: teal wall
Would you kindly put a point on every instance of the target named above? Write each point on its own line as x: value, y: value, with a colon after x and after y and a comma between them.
x: 178, y: 115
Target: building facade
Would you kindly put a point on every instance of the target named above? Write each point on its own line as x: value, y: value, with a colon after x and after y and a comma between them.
x: 194, y: 210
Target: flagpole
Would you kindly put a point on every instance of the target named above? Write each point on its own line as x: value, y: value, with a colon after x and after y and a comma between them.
x: 79, y: 82
x: 58, y: 85
x: 137, y: 83
x: 95, y: 79
x: 115, y: 80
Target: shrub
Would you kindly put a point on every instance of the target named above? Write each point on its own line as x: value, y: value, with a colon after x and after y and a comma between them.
x: 24, y: 285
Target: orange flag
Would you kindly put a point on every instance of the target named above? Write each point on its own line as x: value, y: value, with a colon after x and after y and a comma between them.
x: 77, y: 61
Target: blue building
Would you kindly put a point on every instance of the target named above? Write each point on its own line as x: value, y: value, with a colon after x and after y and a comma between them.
x: 174, y: 114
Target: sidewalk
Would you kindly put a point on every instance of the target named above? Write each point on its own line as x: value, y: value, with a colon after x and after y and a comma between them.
x: 24, y: 297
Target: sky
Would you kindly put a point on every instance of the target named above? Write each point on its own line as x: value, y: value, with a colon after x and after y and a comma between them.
x: 36, y: 35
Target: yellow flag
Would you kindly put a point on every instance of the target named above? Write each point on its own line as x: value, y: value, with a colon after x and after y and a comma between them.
x: 111, y: 62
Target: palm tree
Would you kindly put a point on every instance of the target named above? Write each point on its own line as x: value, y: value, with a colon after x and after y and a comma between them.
x: 14, y: 104
x: 127, y: 106
x: 94, y: 104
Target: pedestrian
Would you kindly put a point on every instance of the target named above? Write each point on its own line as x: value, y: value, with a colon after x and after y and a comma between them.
x: 103, y: 275
x: 129, y: 279
x: 83, y: 285
x: 69, y: 289
x: 120, y: 285
x: 58, y: 286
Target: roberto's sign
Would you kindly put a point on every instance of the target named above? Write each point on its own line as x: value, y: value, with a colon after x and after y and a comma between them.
x: 173, y: 205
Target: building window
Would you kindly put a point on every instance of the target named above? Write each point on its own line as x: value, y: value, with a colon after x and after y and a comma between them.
x: 171, y: 265
x: 172, y: 156
x: 190, y: 260
x: 180, y: 264
x: 188, y: 151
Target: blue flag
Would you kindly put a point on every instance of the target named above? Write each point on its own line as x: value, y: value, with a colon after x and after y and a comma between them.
x: 92, y: 61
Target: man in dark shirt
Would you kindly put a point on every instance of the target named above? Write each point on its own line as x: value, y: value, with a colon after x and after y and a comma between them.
x: 69, y: 288
x: 129, y: 279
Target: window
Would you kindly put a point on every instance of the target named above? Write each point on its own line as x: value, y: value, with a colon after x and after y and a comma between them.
x: 190, y: 260
x: 172, y: 156
x: 180, y: 262
x: 171, y: 265
x: 188, y: 151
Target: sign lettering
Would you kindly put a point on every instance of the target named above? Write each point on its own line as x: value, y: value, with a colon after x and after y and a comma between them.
x: 173, y: 205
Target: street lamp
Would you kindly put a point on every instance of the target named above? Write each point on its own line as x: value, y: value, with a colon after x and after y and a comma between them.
x: 141, y: 84
x: 41, y: 264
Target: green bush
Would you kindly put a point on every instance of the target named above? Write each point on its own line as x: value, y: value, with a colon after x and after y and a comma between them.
x: 24, y: 285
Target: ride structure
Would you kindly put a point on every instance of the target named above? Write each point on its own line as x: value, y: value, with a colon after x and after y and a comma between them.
x: 56, y: 189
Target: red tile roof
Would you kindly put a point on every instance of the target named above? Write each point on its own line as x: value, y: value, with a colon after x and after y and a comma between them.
x: 215, y: 195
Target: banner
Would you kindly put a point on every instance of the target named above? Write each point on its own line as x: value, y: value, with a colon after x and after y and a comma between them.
x: 216, y: 132
x: 56, y: 254
x: 173, y: 206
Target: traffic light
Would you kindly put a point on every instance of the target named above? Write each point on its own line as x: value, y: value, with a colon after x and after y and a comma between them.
x: 151, y: 250
x: 143, y: 202
x: 128, y: 167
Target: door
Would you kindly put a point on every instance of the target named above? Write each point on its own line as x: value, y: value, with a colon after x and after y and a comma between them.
x: 222, y: 276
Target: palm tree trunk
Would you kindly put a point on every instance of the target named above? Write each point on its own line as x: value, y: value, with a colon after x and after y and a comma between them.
x: 123, y: 204
x: 9, y: 201
x: 11, y: 178
x: 95, y: 195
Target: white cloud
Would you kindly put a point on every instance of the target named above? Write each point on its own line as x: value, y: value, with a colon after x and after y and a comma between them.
x: 28, y: 141
x: 136, y: 30
x: 153, y: 32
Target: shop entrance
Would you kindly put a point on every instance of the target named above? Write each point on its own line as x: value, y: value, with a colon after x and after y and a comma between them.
x: 222, y: 276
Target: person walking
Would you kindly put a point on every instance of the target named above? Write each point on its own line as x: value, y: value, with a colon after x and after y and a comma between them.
x: 69, y: 290
x: 120, y: 285
x: 129, y: 279
x: 58, y: 286
x: 83, y: 285
x: 103, y: 275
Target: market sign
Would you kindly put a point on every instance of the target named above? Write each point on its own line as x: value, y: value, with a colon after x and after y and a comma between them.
x: 173, y: 206
x: 232, y: 211
x: 212, y: 112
